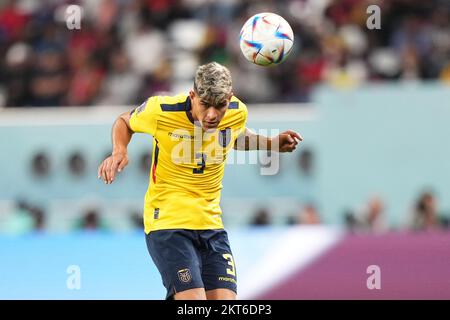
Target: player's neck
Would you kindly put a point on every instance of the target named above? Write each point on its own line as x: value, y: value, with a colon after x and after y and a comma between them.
x: 194, y: 117
x: 191, y: 111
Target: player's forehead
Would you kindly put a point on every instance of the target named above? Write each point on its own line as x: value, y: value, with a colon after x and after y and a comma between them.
x: 210, y: 103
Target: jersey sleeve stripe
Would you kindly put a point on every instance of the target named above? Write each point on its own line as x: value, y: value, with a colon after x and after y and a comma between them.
x: 181, y: 106
x: 155, y: 163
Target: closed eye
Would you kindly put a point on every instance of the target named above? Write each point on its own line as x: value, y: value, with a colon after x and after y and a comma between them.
x: 222, y: 105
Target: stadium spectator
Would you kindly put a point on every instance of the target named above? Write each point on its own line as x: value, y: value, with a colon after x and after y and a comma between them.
x: 426, y: 215
x: 262, y: 217
x: 40, y: 164
x: 309, y: 215
x: 24, y: 218
x: 306, y: 162
x: 77, y: 164
x: 137, y: 220
x: 121, y: 85
x: 370, y: 218
x: 351, y: 223
x: 145, y: 162
x: 91, y: 221
x: 38, y: 216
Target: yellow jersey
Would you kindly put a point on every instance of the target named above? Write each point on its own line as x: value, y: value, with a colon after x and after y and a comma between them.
x: 187, y: 163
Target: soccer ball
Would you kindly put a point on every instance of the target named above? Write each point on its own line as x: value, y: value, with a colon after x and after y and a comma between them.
x: 266, y: 39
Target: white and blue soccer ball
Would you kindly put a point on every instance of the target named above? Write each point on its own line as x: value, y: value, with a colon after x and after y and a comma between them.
x: 266, y: 39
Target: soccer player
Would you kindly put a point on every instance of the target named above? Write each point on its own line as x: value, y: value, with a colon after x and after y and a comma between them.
x: 192, y: 134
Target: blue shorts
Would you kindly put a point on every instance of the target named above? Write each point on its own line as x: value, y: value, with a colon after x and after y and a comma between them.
x: 188, y: 259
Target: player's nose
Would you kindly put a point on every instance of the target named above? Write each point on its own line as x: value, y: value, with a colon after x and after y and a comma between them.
x: 212, y: 115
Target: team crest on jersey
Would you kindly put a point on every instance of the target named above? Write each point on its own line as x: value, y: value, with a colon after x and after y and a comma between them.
x: 184, y: 275
x: 224, y: 137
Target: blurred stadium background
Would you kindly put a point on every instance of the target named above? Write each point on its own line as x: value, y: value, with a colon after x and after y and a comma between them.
x: 369, y: 185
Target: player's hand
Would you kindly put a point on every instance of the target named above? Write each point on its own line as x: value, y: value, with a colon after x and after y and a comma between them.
x: 111, y: 165
x: 288, y: 141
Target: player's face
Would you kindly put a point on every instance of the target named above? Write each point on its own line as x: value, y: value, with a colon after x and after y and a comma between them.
x: 209, y: 116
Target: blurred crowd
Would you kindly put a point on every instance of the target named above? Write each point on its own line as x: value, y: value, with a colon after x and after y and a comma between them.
x: 372, y: 216
x: 127, y: 50
x: 424, y: 213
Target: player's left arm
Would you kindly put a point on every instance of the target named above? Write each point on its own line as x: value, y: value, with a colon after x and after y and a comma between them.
x: 286, y: 141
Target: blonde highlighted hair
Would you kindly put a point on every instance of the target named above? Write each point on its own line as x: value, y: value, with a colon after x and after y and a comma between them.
x: 213, y: 83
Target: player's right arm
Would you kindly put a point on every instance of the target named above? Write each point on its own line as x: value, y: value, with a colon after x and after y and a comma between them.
x: 142, y: 119
x: 121, y: 136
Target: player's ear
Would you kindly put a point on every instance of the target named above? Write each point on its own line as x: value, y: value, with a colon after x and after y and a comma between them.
x: 192, y: 94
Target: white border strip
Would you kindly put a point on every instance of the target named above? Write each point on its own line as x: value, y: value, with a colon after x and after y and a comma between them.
x: 293, y: 251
